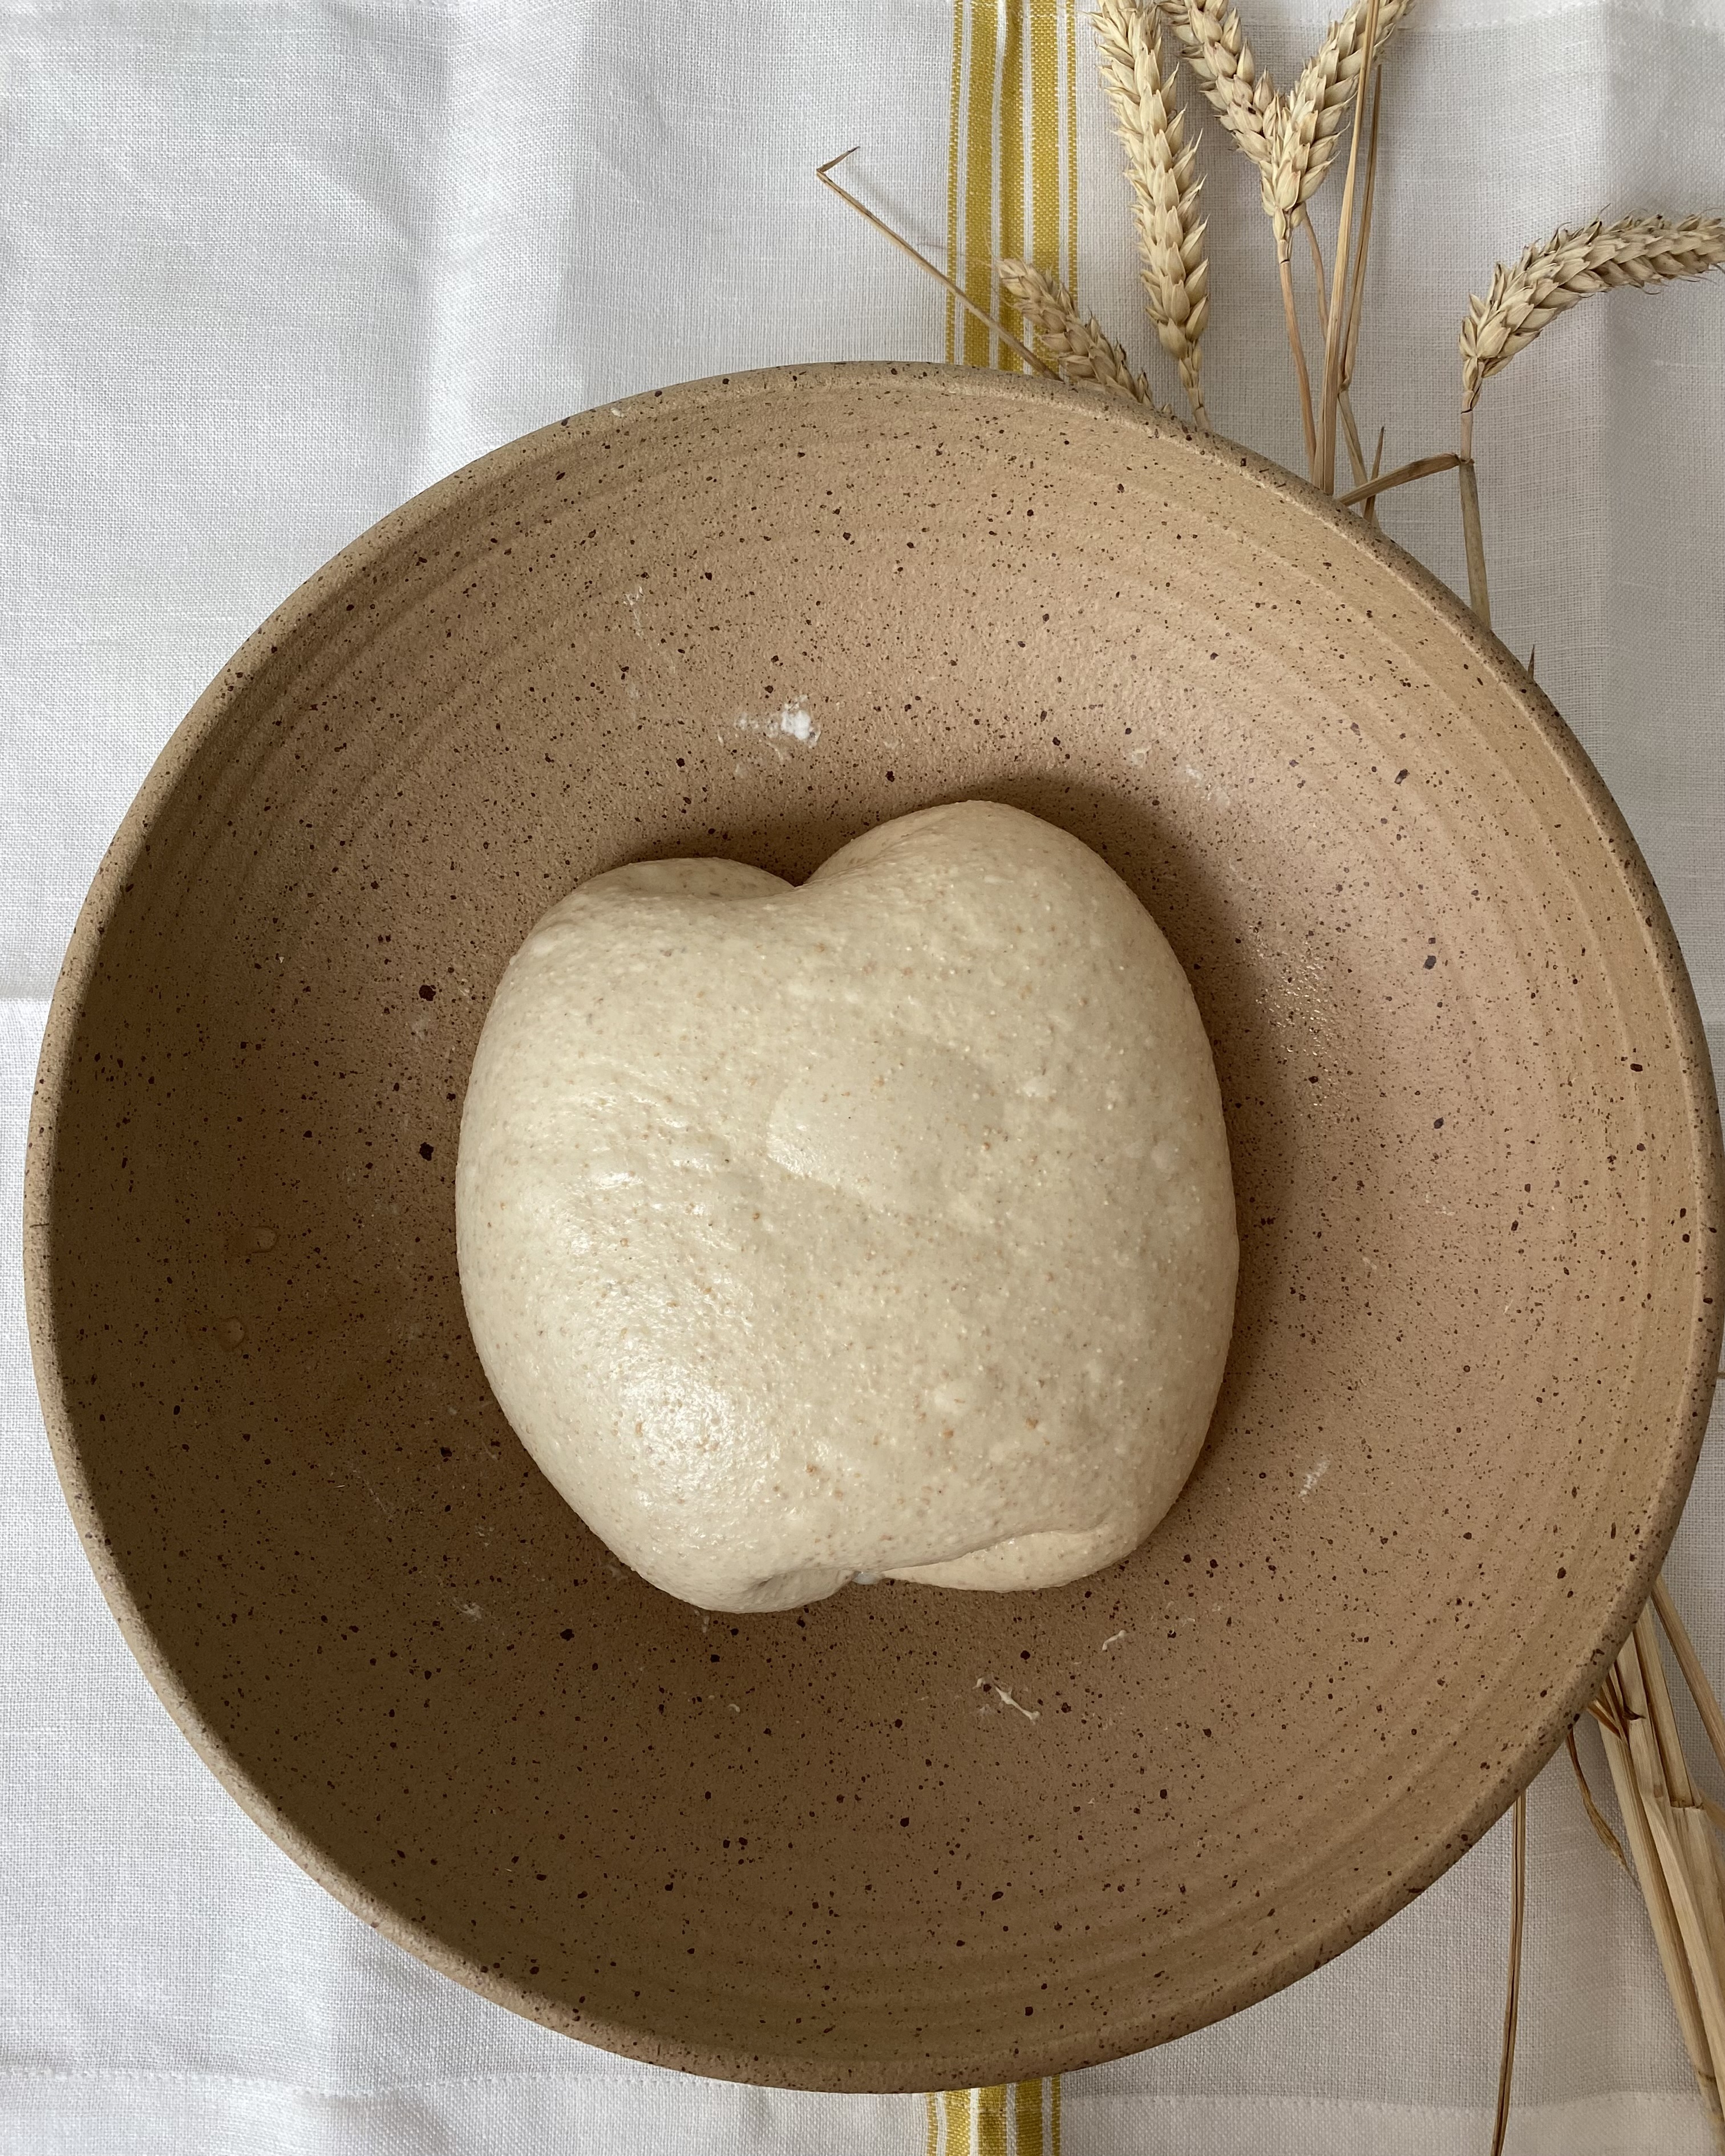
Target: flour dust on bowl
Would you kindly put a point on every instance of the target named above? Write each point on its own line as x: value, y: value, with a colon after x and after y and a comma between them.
x: 902, y: 1838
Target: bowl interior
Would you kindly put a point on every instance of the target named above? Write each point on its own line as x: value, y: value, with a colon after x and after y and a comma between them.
x: 901, y: 1838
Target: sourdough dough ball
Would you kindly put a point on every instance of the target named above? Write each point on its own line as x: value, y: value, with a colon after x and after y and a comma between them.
x: 878, y: 1226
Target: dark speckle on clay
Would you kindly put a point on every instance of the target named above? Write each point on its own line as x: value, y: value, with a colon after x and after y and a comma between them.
x: 1447, y: 1457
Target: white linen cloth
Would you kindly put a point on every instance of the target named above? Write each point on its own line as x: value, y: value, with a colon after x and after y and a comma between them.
x: 268, y: 267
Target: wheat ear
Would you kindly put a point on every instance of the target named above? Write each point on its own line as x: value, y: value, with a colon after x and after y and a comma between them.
x: 1568, y: 268
x: 1160, y: 163
x: 1214, y: 46
x: 1308, y: 130
x: 1552, y: 275
x: 1074, y: 344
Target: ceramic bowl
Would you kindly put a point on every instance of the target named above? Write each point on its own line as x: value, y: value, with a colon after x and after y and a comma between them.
x: 903, y: 1838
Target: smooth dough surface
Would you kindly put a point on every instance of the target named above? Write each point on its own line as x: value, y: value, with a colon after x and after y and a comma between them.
x: 881, y: 1225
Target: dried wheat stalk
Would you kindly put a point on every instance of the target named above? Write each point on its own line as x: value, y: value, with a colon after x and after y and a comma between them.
x: 1479, y: 589
x: 824, y: 173
x: 1356, y: 302
x: 1214, y: 46
x: 1368, y: 508
x: 1659, y: 1910
x: 1675, y: 1862
x: 1344, y: 408
x: 1292, y: 140
x: 1306, y: 130
x: 1512, y: 1995
x: 1694, y: 1676
x: 1596, y: 1818
x: 1335, y: 326
x: 1076, y: 349
x: 1077, y: 346
x: 1707, y: 1705
x: 1159, y: 164
x: 1568, y: 268
x: 1552, y: 275
x: 1694, y: 1837
x: 1403, y: 475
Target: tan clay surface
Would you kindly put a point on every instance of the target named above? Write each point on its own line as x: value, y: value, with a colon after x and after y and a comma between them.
x: 905, y: 1838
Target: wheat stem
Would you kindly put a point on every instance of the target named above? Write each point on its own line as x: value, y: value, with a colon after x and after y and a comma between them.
x: 1318, y: 278
x: 1659, y: 1713
x: 1479, y: 595
x: 1333, y: 339
x: 1513, y: 1997
x: 1350, y: 434
x: 1403, y: 475
x: 1709, y: 1991
x: 1159, y: 164
x: 1355, y: 298
x: 1594, y: 1814
x: 1694, y: 1843
x: 824, y: 173
x: 1350, y: 430
x: 1662, y: 1918
x: 1369, y: 512
x: 1712, y: 1718
x: 1291, y: 315
x: 1703, y: 1853
x: 1661, y: 1780
x: 1356, y: 301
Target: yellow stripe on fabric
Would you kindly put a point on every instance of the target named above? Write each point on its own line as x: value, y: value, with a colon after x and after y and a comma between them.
x: 1011, y: 165
x: 1045, y: 135
x: 1009, y: 189
x: 952, y: 243
x: 979, y: 178
x: 1027, y: 2118
x: 1072, y: 286
x: 975, y: 2121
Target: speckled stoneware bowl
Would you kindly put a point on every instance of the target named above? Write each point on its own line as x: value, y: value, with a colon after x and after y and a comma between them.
x: 1476, y: 1147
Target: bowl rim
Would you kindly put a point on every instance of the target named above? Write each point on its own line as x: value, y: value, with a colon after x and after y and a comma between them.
x: 1361, y: 1914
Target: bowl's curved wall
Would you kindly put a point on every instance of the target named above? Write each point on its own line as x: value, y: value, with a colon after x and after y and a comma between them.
x: 1476, y: 1149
